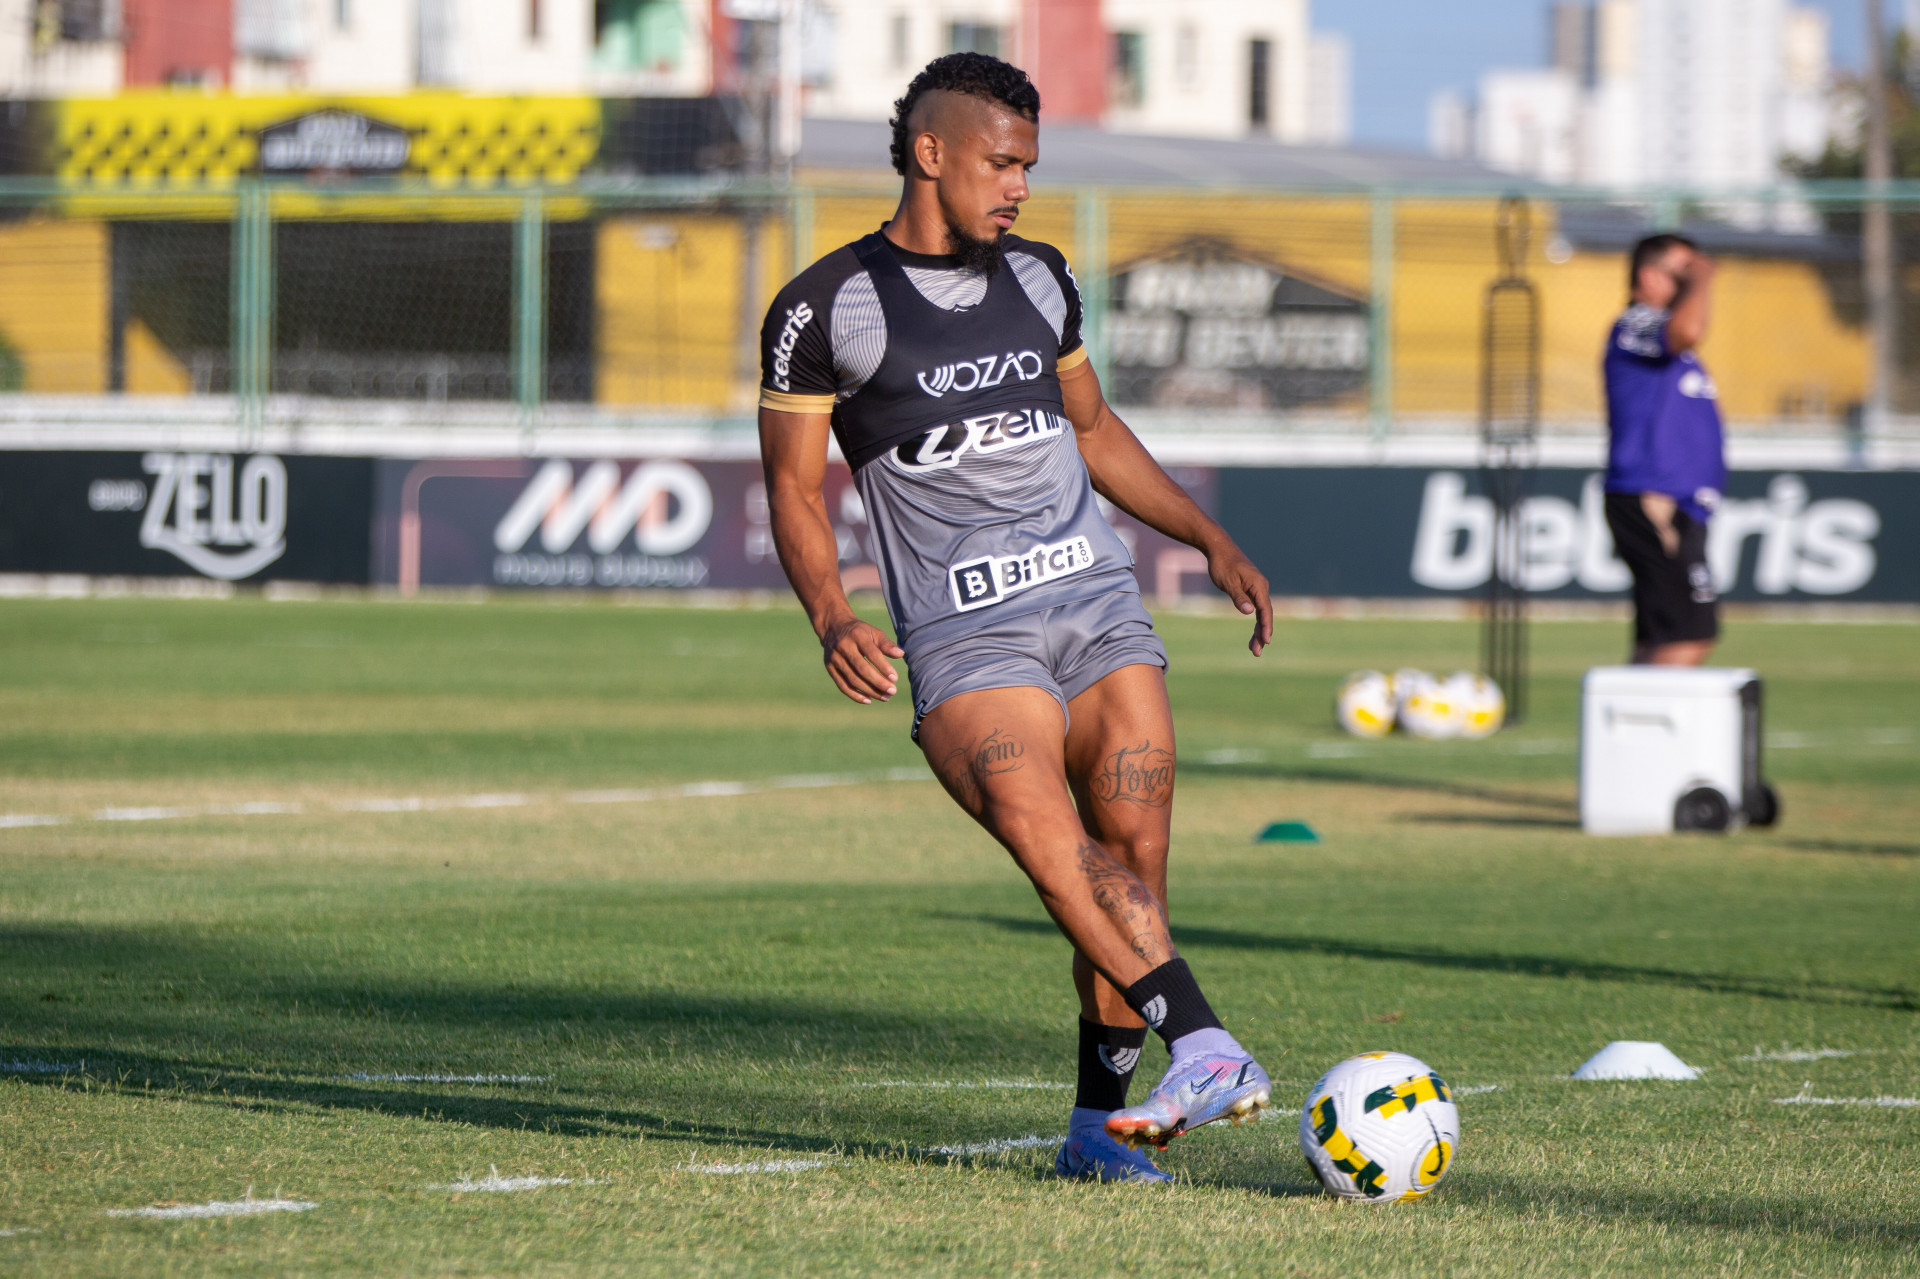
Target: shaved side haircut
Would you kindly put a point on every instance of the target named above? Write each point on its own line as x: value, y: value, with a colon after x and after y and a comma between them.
x: 973, y: 75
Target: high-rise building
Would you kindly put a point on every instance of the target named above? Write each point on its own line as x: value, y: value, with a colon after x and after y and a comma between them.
x: 1329, y: 90
x: 1700, y: 93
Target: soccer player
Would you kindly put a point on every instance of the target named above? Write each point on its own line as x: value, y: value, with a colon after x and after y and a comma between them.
x: 944, y: 354
x: 1666, y: 464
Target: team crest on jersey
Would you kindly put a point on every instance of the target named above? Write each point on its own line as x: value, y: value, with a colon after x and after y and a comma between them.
x: 988, y: 370
x: 944, y: 446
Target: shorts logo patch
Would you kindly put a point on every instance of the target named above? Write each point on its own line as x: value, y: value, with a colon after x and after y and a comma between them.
x: 978, y: 583
x: 1700, y: 579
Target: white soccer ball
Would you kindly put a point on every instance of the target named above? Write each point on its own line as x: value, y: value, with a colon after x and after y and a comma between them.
x: 1427, y: 707
x: 1483, y: 707
x: 1379, y: 1128
x: 1364, y: 705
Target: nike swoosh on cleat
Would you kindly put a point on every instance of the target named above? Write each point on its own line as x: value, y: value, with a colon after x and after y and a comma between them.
x: 1211, y: 1080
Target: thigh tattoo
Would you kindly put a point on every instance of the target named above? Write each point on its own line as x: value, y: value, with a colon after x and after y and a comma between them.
x: 964, y: 766
x: 1140, y: 774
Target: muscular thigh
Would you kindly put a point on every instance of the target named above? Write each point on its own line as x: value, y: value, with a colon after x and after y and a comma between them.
x: 998, y: 753
x: 1120, y: 764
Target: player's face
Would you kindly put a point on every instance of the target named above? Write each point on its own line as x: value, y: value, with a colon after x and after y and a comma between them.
x: 1661, y: 281
x: 983, y: 178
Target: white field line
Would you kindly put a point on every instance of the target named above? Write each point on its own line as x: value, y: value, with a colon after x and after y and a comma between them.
x: 448, y: 1079
x: 1473, y: 1090
x: 769, y: 1165
x: 1800, y: 1054
x: 40, y: 1067
x: 218, y: 1208
x: 494, y: 1184
x: 994, y: 1147
x: 945, y: 1083
x: 24, y: 1230
x: 1805, y: 1097
x: 439, y: 803
x: 1868, y: 736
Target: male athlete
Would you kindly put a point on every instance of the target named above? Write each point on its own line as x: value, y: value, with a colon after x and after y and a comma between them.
x: 944, y: 354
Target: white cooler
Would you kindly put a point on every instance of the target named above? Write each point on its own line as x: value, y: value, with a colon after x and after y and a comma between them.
x: 1666, y: 748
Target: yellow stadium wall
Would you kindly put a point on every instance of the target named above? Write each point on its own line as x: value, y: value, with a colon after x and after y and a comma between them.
x: 53, y: 302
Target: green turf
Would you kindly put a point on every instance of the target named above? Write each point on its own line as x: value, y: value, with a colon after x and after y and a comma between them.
x: 726, y: 979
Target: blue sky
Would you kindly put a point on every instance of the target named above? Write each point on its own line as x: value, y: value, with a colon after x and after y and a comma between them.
x: 1406, y: 50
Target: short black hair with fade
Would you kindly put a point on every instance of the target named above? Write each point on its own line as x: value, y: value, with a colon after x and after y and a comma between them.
x: 1650, y: 250
x: 975, y: 74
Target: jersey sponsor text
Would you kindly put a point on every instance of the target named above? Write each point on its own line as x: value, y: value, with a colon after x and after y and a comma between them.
x: 990, y: 579
x: 986, y: 371
x: 944, y: 446
x: 798, y: 318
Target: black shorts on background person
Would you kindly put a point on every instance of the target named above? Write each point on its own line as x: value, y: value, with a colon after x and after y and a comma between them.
x: 1673, y: 596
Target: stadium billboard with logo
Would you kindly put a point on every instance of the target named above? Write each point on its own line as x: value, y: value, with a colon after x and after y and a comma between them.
x: 1204, y: 326
x: 1411, y: 531
x: 693, y: 523
x: 545, y: 524
x: 235, y: 517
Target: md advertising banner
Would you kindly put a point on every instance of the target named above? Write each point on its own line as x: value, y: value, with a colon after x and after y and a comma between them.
x: 547, y: 524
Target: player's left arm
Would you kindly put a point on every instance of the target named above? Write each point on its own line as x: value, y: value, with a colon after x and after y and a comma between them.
x: 1125, y: 474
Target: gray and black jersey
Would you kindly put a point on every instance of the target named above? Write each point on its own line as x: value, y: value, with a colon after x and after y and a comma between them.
x: 944, y: 391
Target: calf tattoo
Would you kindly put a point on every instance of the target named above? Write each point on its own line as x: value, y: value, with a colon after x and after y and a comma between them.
x: 1140, y: 774
x: 1128, y: 902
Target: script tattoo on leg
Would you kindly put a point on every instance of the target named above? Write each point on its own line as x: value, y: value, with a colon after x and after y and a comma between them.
x: 964, y: 766
x: 1140, y: 774
x: 1130, y: 903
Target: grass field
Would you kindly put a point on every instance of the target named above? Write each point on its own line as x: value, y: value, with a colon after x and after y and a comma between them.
x: 768, y: 994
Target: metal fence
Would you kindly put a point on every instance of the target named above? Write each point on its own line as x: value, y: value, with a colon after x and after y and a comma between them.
x: 636, y: 302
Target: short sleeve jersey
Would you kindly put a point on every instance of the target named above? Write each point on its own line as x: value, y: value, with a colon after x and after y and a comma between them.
x: 1663, y: 416
x: 943, y: 388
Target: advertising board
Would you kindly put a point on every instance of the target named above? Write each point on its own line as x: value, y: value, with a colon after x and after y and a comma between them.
x: 543, y: 524
x: 234, y: 517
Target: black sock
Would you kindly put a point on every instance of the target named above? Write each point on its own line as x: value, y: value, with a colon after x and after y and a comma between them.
x: 1108, y: 1055
x: 1169, y: 1000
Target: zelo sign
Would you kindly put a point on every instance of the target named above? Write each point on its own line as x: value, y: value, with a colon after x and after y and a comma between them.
x: 234, y: 517
x: 1405, y: 531
x: 222, y: 518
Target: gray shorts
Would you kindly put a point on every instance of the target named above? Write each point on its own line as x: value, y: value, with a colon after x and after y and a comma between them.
x: 1065, y: 650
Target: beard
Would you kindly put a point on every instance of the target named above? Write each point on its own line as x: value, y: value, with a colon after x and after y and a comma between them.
x: 971, y: 253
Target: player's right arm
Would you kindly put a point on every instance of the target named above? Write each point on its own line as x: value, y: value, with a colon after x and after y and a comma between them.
x: 793, y: 452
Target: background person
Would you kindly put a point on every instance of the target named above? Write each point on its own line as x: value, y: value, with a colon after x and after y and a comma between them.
x: 1666, y: 458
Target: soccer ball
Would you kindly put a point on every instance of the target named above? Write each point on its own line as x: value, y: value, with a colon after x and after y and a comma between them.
x: 1483, y: 708
x: 1427, y: 706
x: 1380, y: 1127
x: 1364, y: 704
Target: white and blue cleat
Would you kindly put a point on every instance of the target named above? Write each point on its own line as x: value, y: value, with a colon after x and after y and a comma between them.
x: 1195, y: 1090
x: 1091, y: 1155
